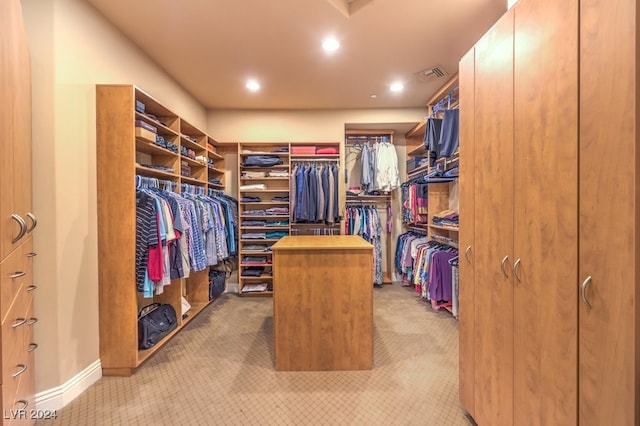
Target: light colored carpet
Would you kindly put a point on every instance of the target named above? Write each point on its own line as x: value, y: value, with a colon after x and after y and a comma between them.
x: 219, y: 371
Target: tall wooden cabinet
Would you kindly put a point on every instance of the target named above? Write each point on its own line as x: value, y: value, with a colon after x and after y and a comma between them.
x: 187, y: 161
x: 548, y: 197
x: 466, y: 316
x: 17, y: 381
x: 609, y: 185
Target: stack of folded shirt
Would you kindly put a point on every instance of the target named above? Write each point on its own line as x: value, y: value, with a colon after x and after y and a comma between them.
x: 283, y: 149
x: 251, y: 174
x: 446, y: 218
x: 327, y: 150
x: 255, y: 260
x: 254, y: 236
x: 278, y: 223
x: 255, y: 213
x: 281, y: 198
x: 257, y: 247
x: 254, y: 223
x: 261, y: 161
x: 278, y: 173
x: 256, y: 288
x: 247, y: 199
x: 253, y: 186
x: 277, y: 211
x: 252, y: 271
x: 276, y: 235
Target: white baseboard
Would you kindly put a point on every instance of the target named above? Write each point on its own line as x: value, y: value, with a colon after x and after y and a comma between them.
x: 58, y: 397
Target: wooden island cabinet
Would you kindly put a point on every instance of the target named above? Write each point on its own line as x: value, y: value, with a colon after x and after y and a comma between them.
x: 323, y: 303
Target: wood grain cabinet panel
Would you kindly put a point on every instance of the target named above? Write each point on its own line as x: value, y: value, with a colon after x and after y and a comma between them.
x: 609, y: 330
x: 16, y: 216
x: 466, y: 321
x: 569, y: 284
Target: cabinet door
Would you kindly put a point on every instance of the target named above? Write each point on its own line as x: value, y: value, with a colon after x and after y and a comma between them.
x: 493, y: 228
x: 467, y: 148
x: 15, y: 123
x: 545, y: 206
x: 609, y: 373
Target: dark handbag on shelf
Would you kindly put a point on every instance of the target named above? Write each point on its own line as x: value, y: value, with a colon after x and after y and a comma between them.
x: 155, y: 321
x: 217, y: 281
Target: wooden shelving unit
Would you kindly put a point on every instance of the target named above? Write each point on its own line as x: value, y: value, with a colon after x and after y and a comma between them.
x: 121, y: 156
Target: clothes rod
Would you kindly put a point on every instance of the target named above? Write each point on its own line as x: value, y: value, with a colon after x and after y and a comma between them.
x: 313, y: 160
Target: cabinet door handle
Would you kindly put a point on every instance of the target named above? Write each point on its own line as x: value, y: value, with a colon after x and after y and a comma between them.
x: 34, y: 222
x: 467, y: 254
x: 515, y: 270
x: 583, y: 291
x: 32, y: 321
x: 19, y: 322
x: 31, y: 288
x: 32, y: 347
x: 18, y: 274
x: 32, y: 254
x: 24, y: 403
x: 22, y: 369
x: 23, y: 228
x: 504, y: 260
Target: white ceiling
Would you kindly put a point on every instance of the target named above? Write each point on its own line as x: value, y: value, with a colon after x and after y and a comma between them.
x: 211, y: 47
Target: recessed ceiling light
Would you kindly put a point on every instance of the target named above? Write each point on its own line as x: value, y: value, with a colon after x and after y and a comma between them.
x: 396, y: 87
x: 330, y: 44
x: 253, y: 85
x: 373, y: 95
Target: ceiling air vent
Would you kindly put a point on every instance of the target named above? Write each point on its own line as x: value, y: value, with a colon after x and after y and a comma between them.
x: 431, y: 73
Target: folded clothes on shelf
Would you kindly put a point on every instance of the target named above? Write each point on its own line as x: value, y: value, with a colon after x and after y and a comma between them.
x: 278, y: 223
x: 276, y: 234
x: 253, y: 174
x: 254, y: 222
x: 254, y: 259
x: 261, y: 161
x: 281, y: 211
x: 252, y: 271
x: 254, y: 236
x: 255, y: 213
x: 256, y: 247
x: 248, y: 199
x: 255, y: 288
x: 253, y: 186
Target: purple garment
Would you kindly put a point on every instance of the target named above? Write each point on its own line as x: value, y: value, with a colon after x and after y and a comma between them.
x: 440, y: 276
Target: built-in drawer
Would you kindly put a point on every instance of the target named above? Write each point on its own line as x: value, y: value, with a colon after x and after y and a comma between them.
x: 25, y: 397
x: 16, y: 274
x: 16, y: 331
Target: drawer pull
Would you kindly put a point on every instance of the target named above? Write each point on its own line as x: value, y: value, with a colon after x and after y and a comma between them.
x: 32, y: 347
x: 32, y: 254
x: 19, y: 322
x: 583, y: 291
x: 24, y: 403
x: 23, y: 228
x: 504, y: 260
x: 515, y: 270
x: 22, y: 369
x: 31, y: 288
x: 32, y: 321
x: 34, y: 222
x: 18, y: 274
